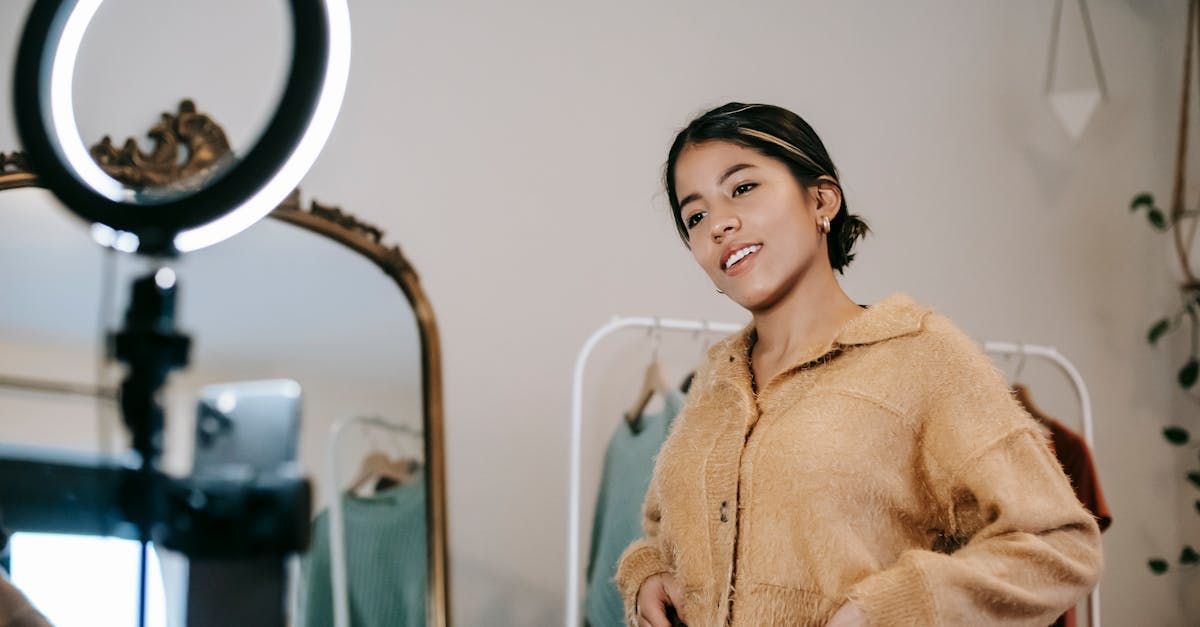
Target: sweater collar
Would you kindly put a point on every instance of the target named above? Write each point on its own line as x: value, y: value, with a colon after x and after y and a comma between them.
x: 895, y: 316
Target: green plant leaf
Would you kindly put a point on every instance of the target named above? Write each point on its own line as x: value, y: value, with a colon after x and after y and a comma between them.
x: 1158, y: 566
x: 1157, y: 219
x: 1144, y: 199
x: 1177, y: 435
x: 1194, y: 477
x: 1158, y: 330
x: 1189, y: 556
x: 1188, y: 374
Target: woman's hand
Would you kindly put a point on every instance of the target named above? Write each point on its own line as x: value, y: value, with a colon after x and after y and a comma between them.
x: 848, y: 616
x: 654, y: 596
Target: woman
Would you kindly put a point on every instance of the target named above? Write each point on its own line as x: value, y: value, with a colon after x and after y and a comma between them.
x: 837, y: 464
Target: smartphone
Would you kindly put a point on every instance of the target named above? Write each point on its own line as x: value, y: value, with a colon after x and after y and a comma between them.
x: 246, y: 427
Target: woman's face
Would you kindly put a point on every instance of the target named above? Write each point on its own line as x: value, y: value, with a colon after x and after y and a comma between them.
x: 753, y: 227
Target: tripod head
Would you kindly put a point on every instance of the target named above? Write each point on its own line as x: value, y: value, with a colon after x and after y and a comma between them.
x: 152, y: 348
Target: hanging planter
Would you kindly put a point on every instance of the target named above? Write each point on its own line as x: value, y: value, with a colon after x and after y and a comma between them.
x: 1184, y: 267
x: 1182, y: 224
x: 1182, y: 274
x: 1074, y: 106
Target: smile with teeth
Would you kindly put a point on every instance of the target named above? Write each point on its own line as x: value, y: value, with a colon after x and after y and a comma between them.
x: 741, y: 254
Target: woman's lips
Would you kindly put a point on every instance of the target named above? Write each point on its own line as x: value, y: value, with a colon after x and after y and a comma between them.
x: 744, y: 264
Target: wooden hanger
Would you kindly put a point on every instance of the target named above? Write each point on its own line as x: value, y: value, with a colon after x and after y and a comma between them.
x: 706, y: 342
x: 1021, y: 392
x: 377, y: 465
x: 652, y: 381
x: 1023, y: 397
x: 685, y: 386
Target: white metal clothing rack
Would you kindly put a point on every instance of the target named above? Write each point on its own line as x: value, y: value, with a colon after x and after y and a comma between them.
x: 695, y: 326
x: 337, y: 524
x: 1068, y: 368
x: 59, y: 387
x: 1085, y: 405
x: 573, y: 488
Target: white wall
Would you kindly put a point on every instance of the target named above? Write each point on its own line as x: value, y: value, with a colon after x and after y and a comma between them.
x: 514, y: 150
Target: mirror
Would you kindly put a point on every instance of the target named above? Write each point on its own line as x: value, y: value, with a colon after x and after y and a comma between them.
x: 312, y: 295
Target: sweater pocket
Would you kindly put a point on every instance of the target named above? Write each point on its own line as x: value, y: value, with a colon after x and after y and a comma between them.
x: 772, y: 605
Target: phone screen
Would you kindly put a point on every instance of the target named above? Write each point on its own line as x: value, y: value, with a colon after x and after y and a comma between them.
x: 248, y: 426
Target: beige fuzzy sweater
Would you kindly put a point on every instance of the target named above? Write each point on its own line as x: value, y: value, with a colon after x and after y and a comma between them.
x: 894, y: 468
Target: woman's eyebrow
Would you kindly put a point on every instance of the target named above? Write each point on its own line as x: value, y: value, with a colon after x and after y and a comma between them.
x: 733, y: 170
x: 730, y: 171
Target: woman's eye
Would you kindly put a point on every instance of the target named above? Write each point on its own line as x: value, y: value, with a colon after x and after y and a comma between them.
x: 743, y: 188
x: 694, y: 219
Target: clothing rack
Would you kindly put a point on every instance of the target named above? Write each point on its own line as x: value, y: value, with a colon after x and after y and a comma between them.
x: 337, y: 533
x: 105, y: 397
x: 1085, y: 404
x: 1064, y: 364
x: 58, y: 387
x: 573, y: 487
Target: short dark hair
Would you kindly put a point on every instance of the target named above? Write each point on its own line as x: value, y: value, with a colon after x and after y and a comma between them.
x: 779, y: 134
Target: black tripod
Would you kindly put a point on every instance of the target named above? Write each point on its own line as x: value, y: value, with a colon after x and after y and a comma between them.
x: 235, y: 531
x: 151, y: 347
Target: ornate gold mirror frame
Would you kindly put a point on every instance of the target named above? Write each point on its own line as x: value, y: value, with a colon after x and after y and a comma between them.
x: 204, y: 145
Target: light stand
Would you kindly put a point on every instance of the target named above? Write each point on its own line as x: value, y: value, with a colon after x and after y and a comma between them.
x: 151, y: 347
x: 236, y: 531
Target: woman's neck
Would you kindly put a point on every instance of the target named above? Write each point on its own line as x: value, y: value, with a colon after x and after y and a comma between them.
x: 805, y: 319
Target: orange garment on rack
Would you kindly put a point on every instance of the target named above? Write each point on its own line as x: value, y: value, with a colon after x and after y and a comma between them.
x: 1075, y: 456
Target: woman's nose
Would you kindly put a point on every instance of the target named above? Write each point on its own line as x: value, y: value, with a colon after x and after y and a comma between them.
x: 723, y: 225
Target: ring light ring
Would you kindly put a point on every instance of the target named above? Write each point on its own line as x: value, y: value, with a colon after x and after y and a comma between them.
x: 239, y: 196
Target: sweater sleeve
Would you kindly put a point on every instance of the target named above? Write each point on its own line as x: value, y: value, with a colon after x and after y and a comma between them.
x: 643, y: 558
x: 1016, y: 546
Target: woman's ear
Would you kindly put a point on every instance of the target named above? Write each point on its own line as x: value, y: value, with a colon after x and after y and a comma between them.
x: 828, y: 195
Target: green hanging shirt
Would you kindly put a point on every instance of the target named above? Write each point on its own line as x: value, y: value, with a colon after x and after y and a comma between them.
x: 628, y: 464
x: 385, y: 561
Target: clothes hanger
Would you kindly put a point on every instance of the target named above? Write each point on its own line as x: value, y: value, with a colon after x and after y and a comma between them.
x: 385, y: 469
x: 705, y: 336
x: 378, y: 466
x: 652, y: 382
x: 383, y: 483
x: 1021, y: 391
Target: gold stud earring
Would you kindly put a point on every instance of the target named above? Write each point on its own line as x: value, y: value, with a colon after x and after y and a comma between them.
x: 823, y: 225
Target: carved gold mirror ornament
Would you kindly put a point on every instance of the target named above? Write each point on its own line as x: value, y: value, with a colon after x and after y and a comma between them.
x: 188, y: 145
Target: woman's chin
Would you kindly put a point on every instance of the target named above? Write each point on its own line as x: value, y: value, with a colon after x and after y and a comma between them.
x: 752, y: 301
